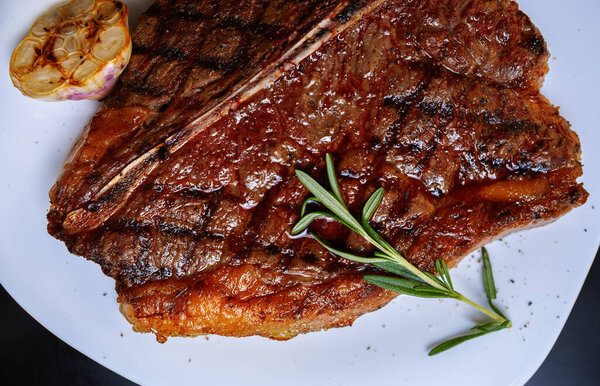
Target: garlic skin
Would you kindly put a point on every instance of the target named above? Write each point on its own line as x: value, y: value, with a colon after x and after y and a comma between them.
x: 76, y: 51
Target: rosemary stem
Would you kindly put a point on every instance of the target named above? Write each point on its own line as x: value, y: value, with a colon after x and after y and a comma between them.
x: 402, y: 261
x: 489, y: 313
x: 417, y: 272
x: 407, y: 278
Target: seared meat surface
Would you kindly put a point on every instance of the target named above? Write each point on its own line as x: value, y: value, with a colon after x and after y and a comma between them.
x: 182, y: 186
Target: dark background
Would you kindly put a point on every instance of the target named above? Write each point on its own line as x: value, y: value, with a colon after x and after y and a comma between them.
x: 31, y: 355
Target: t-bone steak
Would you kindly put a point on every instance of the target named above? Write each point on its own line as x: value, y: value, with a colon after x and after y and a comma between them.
x: 182, y: 186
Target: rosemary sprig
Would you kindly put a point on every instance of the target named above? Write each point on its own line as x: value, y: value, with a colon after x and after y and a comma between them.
x: 405, y: 278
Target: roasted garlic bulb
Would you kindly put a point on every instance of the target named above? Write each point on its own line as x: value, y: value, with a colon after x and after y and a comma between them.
x: 76, y: 51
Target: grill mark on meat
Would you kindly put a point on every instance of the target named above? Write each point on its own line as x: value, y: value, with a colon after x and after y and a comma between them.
x: 247, y: 241
x: 191, y: 206
x: 403, y: 105
x: 447, y: 115
x: 131, y: 225
x: 227, y: 66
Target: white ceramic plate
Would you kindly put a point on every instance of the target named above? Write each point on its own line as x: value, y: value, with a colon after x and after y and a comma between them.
x: 538, y: 273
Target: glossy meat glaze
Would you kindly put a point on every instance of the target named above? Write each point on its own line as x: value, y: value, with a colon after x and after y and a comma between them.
x: 182, y: 186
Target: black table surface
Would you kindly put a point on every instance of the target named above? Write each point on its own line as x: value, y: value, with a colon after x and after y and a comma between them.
x: 31, y: 355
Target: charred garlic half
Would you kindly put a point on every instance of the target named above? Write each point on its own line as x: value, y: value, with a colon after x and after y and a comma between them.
x: 76, y: 51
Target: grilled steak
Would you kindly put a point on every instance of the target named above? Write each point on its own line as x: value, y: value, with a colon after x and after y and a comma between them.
x: 182, y: 186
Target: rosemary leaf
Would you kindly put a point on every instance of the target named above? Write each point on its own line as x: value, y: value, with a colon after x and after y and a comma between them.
x: 371, y: 205
x: 305, y: 221
x: 447, y: 274
x: 434, y: 278
x: 438, y: 268
x: 454, y: 342
x: 496, y: 309
x: 448, y: 344
x: 407, y: 287
x: 397, y: 269
x: 333, y: 180
x: 347, y: 255
x: 488, y: 276
x: 305, y: 204
x: 329, y: 200
x: 485, y: 326
x: 385, y: 246
x: 488, y: 282
x: 368, y: 210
